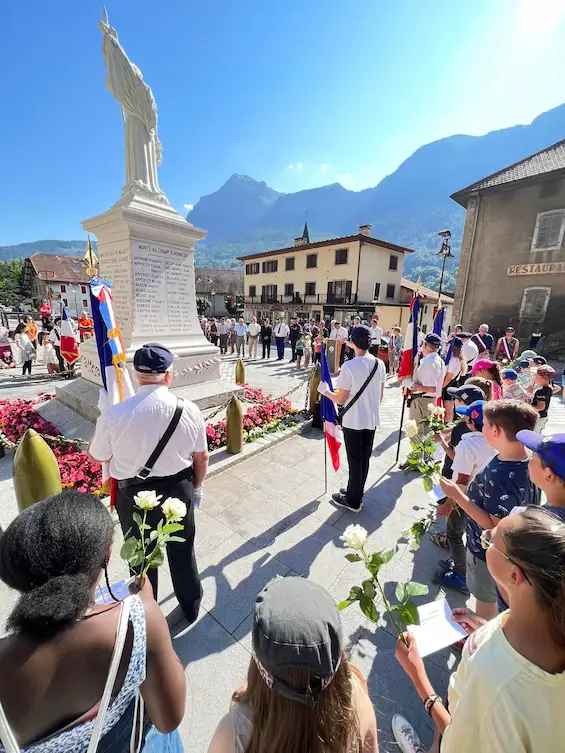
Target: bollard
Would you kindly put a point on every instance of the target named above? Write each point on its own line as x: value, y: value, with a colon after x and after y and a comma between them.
x: 36, y: 473
x: 234, y: 427
x: 239, y: 372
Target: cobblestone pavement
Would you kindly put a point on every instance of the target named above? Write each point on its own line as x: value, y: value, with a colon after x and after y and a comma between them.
x: 270, y: 516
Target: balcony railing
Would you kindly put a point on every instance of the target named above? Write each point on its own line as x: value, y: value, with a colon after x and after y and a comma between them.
x: 317, y: 298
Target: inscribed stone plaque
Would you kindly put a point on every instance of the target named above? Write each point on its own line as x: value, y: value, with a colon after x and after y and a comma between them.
x: 115, y: 266
x: 163, y: 290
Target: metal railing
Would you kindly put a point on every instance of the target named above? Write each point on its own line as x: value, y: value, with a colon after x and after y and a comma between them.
x: 298, y: 298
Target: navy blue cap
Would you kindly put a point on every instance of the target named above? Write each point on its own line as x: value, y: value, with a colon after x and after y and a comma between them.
x: 433, y: 339
x: 152, y: 358
x: 467, y: 393
x: 465, y: 335
x: 525, y: 364
x: 551, y: 449
x: 539, y: 360
x: 473, y: 411
x: 509, y: 374
x: 361, y: 336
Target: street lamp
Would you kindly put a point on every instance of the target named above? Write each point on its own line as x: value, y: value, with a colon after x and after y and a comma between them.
x: 445, y: 253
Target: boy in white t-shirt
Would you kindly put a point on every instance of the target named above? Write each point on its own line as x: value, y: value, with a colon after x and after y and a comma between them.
x: 471, y: 455
x: 362, y: 418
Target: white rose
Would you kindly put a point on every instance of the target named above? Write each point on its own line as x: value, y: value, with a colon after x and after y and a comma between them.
x: 439, y: 411
x: 431, y: 408
x: 147, y: 500
x: 411, y: 428
x: 354, y: 536
x: 174, y: 509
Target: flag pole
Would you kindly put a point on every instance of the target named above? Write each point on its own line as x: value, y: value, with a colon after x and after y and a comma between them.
x: 325, y: 467
x: 400, y: 427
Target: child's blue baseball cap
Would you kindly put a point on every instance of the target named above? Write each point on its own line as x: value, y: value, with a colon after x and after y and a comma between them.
x: 551, y: 449
x: 473, y: 411
x: 509, y: 374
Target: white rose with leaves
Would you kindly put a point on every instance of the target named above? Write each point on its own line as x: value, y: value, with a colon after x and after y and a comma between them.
x: 439, y: 411
x: 174, y: 510
x: 354, y: 536
x: 411, y: 428
x: 147, y: 500
x: 431, y: 408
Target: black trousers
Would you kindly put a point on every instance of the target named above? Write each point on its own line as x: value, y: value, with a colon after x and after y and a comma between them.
x: 62, y: 362
x: 358, y: 446
x: 293, y: 348
x: 26, y: 367
x: 454, y: 529
x: 266, y: 348
x: 182, y: 560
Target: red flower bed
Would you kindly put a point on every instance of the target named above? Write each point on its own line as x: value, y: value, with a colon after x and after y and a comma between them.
x: 77, y: 469
x: 267, y: 413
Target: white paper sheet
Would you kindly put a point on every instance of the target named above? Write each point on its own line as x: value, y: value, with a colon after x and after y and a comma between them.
x: 436, y: 629
x: 436, y: 493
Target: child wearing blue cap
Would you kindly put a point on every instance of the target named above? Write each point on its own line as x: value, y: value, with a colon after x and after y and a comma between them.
x: 547, y: 467
x: 499, y: 487
x: 511, y: 387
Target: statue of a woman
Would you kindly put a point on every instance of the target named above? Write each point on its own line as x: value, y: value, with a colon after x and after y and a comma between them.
x: 139, y: 111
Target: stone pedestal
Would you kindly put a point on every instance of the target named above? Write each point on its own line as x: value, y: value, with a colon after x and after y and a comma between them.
x: 146, y: 251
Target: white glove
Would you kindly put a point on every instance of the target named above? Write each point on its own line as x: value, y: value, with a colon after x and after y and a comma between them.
x: 103, y: 401
x: 197, y: 496
x: 323, y: 388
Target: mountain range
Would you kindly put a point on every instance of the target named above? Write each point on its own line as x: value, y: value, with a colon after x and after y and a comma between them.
x: 409, y: 207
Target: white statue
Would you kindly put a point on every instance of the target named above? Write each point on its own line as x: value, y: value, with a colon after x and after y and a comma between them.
x: 139, y: 112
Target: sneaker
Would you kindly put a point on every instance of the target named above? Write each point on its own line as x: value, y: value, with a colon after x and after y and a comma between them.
x: 340, y: 500
x: 451, y: 579
x: 406, y: 736
x: 446, y: 564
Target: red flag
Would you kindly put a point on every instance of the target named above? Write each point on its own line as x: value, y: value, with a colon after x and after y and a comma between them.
x: 69, y: 345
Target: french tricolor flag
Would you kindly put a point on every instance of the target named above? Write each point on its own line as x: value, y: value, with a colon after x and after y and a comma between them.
x: 410, y: 340
x: 69, y: 346
x: 328, y: 414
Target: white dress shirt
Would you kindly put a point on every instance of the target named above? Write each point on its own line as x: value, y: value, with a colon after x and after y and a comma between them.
x: 376, y: 335
x: 282, y: 330
x: 127, y: 433
x: 431, y: 371
x: 254, y: 329
x: 339, y: 334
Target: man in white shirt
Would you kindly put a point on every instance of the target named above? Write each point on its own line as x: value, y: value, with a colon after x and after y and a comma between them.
x: 127, y: 436
x: 240, y: 334
x: 362, y: 418
x: 253, y: 331
x: 376, y: 336
x: 339, y: 333
x: 428, y: 378
x: 281, y: 333
x: 223, y: 329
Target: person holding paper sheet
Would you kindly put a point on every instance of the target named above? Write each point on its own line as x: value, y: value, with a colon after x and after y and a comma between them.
x: 508, y: 693
x: 501, y: 485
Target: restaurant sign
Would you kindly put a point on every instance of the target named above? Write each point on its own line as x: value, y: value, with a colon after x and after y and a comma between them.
x: 548, y: 268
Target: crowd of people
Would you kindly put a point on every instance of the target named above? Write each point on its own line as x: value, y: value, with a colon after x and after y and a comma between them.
x: 34, y: 342
x: 72, y: 672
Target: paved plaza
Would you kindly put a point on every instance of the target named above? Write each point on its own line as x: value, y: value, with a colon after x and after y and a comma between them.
x: 268, y: 516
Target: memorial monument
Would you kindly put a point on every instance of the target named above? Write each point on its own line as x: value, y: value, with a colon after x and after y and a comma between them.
x: 146, y: 251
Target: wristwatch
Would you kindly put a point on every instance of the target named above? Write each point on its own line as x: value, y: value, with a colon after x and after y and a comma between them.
x: 430, y: 701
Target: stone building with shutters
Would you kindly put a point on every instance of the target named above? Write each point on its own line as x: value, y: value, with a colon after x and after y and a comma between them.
x: 336, y: 278
x: 512, y: 262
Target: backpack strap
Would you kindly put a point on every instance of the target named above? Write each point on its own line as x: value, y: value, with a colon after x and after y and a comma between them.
x: 144, y: 472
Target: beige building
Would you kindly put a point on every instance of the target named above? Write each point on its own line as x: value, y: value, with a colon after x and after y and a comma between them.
x: 337, y: 278
x: 512, y: 262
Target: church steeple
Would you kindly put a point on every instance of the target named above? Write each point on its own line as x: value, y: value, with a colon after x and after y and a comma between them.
x: 305, y: 233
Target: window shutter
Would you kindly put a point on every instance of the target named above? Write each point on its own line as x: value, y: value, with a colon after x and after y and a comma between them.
x: 330, y: 291
x: 554, y: 230
x: 348, y: 285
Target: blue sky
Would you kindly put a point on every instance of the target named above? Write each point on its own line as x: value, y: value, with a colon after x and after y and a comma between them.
x: 298, y: 93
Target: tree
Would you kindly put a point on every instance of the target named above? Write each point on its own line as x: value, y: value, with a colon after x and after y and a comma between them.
x: 201, y: 305
x: 11, y: 282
